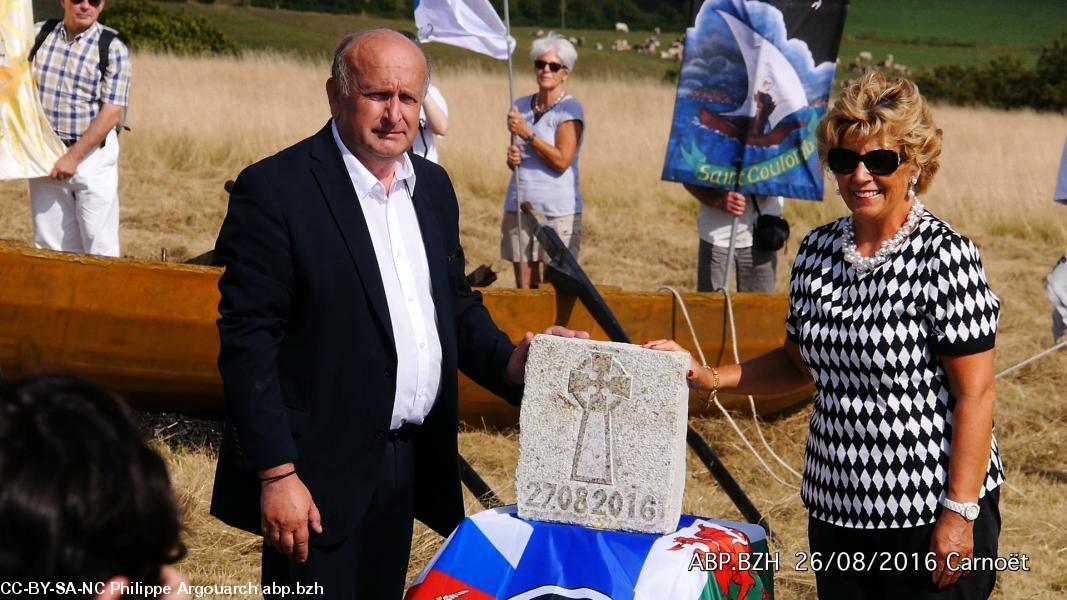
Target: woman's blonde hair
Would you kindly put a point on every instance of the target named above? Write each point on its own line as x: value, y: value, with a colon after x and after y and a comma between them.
x: 891, y: 109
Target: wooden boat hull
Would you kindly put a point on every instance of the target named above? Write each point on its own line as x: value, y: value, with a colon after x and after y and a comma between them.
x: 147, y: 329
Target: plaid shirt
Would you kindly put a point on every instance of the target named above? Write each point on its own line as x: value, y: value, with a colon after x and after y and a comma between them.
x: 68, y: 77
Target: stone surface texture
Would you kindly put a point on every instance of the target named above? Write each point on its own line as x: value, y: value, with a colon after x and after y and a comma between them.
x: 602, y: 440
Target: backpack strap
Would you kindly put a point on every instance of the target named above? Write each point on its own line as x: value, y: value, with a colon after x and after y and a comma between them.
x: 104, y: 47
x: 48, y: 27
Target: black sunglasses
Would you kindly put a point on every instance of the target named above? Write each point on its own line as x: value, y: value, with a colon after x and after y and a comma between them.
x: 540, y: 64
x: 93, y: 3
x: 878, y: 162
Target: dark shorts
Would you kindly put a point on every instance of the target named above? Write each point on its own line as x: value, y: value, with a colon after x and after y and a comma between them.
x: 888, y: 557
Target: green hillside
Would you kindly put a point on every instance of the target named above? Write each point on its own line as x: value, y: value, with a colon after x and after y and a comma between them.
x: 919, y: 33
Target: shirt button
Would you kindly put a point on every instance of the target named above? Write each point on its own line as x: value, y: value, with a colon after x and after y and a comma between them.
x: 398, y: 253
x: 422, y: 344
x: 411, y: 298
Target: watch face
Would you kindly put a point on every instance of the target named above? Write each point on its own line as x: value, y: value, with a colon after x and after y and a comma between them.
x: 970, y: 512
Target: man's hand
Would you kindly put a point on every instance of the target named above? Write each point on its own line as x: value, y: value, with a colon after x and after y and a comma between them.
x: 287, y: 511
x: 952, y: 533
x: 65, y: 167
x: 516, y: 369
x: 734, y: 204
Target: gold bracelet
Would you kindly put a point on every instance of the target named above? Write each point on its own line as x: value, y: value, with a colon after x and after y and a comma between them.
x: 714, y: 396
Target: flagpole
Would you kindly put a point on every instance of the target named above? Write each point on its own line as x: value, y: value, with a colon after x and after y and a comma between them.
x: 730, y: 252
x: 511, y: 103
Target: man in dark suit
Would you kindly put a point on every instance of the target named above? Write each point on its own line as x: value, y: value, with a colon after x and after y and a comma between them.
x: 344, y: 317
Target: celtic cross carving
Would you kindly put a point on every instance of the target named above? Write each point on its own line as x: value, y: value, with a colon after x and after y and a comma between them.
x: 598, y: 385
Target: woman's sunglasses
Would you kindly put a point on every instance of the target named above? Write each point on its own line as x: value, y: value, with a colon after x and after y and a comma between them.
x: 554, y: 67
x: 878, y: 162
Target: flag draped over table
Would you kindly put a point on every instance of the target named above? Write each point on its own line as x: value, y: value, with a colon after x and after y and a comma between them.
x: 495, y: 555
x: 470, y: 24
x: 753, y: 86
x: 28, y: 146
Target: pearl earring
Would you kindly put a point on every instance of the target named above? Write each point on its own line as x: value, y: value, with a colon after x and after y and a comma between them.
x: 911, y: 190
x: 837, y: 191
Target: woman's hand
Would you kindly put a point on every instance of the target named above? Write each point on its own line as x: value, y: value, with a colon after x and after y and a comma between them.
x: 517, y: 125
x: 514, y: 156
x: 695, y: 376
x: 952, y: 533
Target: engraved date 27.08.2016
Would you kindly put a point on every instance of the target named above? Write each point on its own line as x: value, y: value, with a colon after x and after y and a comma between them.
x: 579, y: 499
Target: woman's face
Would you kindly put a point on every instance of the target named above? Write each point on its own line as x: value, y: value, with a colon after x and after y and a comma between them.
x: 875, y: 196
x: 546, y: 79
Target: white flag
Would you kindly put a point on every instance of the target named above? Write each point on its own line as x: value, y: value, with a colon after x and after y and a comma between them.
x: 470, y: 24
x: 28, y: 146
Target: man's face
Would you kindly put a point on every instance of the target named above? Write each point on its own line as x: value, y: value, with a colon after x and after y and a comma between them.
x: 379, y: 118
x: 83, y: 14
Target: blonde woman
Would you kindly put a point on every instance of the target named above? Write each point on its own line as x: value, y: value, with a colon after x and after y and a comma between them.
x: 891, y: 317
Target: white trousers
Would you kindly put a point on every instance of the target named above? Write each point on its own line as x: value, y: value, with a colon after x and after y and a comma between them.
x: 82, y: 213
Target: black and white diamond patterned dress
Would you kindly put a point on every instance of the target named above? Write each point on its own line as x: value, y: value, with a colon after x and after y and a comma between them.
x: 878, y: 443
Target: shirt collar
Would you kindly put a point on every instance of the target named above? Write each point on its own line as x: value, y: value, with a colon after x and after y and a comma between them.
x: 363, y: 180
x: 85, y: 35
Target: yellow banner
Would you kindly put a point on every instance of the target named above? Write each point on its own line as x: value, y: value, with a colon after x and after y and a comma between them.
x: 28, y: 146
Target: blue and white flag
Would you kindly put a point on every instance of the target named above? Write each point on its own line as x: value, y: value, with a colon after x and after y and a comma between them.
x: 470, y: 24
x: 494, y: 555
x: 754, y: 83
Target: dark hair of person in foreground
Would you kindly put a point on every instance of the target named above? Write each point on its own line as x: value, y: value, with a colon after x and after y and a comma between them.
x: 83, y: 498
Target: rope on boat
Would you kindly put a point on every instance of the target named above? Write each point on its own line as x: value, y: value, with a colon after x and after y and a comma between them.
x: 752, y: 402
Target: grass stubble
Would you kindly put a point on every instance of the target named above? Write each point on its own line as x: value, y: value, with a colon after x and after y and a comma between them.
x: 197, y: 121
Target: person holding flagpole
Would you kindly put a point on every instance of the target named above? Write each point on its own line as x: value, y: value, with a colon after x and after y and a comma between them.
x: 549, y: 124
x: 755, y: 267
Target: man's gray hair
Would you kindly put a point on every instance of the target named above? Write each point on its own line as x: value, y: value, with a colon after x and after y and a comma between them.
x: 341, y: 71
x: 554, y: 42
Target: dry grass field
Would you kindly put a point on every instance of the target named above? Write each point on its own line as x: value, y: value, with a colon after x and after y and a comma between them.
x: 197, y: 121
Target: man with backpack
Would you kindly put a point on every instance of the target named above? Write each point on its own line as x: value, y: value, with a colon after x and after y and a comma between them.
x: 82, y: 70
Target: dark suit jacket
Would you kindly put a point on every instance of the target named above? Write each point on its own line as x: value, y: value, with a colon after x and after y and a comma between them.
x: 308, y: 361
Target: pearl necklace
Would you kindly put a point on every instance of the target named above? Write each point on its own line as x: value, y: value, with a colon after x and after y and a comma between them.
x: 888, y: 248
x: 540, y: 110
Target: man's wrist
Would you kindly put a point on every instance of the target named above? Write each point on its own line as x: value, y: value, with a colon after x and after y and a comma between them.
x: 275, y: 471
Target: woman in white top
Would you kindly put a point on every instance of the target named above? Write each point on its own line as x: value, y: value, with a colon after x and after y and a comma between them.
x: 549, y: 125
x: 433, y: 123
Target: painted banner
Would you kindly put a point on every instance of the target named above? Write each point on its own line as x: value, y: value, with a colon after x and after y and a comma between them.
x: 28, y: 146
x: 496, y: 555
x: 754, y: 83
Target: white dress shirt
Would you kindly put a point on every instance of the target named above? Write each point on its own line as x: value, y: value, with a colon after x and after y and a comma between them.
x: 397, y: 239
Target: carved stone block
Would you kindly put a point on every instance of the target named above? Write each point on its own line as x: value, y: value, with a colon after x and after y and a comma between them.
x: 602, y: 440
